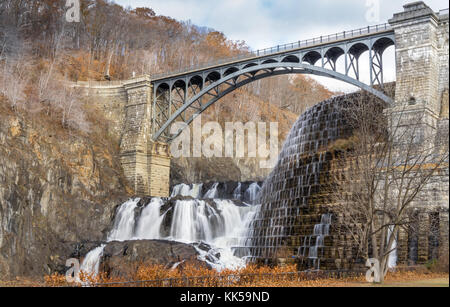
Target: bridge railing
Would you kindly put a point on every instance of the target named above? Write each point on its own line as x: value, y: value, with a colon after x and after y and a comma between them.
x: 443, y: 12
x: 281, y: 48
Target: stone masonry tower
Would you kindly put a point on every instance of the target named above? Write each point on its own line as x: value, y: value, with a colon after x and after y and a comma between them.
x: 422, y: 64
x: 422, y: 53
x: 146, y: 164
x: 127, y: 104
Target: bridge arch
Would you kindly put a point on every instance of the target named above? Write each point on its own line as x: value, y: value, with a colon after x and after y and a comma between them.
x: 381, y: 44
x: 196, y: 80
x: 230, y: 70
x: 249, y: 65
x: 224, y: 85
x: 213, y: 76
x: 180, y: 84
x: 312, y: 57
x: 358, y: 48
x: 162, y: 87
x: 291, y: 59
x: 270, y: 61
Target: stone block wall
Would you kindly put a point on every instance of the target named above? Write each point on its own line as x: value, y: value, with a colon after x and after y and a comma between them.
x: 422, y: 70
x: 133, y: 147
x: 110, y: 99
x: 128, y: 105
x: 159, y: 169
x: 422, y: 53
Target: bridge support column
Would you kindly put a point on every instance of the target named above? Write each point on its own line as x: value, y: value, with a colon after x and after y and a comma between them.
x: 421, y: 102
x: 146, y: 164
x: 422, y: 70
x: 158, y: 169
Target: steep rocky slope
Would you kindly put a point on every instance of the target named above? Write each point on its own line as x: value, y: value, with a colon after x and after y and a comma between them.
x: 56, y: 189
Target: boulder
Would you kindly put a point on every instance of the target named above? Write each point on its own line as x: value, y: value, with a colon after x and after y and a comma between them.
x: 122, y: 259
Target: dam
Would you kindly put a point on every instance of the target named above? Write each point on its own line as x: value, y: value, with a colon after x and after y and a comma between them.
x: 289, y: 218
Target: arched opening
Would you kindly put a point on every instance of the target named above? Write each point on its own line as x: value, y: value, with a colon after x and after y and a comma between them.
x: 331, y: 57
x: 353, y: 60
x: 179, y: 84
x: 249, y: 65
x: 357, y: 49
x: 230, y: 71
x: 196, y: 80
x: 270, y: 61
x: 291, y: 59
x: 312, y: 57
x: 389, y: 64
x: 212, y: 77
x: 382, y: 44
x: 163, y: 87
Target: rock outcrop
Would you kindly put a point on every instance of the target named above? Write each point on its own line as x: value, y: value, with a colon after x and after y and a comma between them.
x: 57, y: 189
x: 121, y: 259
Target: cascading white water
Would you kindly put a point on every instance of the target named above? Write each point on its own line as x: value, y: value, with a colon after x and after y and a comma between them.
x: 186, y: 190
x: 252, y: 193
x: 124, y: 222
x: 237, y: 194
x: 321, y: 231
x: 149, y: 225
x: 221, y: 224
x: 91, y: 262
x: 213, y: 192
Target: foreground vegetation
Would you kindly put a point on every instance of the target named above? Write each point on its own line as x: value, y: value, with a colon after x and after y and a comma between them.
x: 433, y: 274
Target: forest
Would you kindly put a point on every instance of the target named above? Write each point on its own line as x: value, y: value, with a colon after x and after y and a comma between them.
x: 41, y: 54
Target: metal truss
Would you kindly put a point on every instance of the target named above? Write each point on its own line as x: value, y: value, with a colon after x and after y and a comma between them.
x: 183, y: 96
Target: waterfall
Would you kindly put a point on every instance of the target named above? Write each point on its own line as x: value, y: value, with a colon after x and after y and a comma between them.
x: 237, y: 194
x: 91, y: 262
x: 292, y: 195
x: 316, y: 242
x: 219, y: 223
x: 149, y: 224
x: 246, y: 192
x: 124, y: 222
x: 213, y: 192
x: 252, y: 193
x: 185, y: 190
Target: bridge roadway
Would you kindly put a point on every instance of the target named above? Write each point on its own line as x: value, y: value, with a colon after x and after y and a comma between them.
x: 305, y: 45
x: 180, y: 94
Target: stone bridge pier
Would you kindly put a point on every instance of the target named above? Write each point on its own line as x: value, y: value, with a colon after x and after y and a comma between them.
x: 127, y: 105
x: 146, y: 163
x: 421, y: 37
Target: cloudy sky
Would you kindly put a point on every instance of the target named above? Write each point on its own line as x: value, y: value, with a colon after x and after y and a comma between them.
x: 266, y: 23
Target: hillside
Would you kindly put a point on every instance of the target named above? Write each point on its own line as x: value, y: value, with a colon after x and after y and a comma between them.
x: 60, y: 176
x: 42, y: 54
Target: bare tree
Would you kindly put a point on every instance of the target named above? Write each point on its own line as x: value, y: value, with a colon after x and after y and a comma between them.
x: 382, y: 169
x: 14, y: 78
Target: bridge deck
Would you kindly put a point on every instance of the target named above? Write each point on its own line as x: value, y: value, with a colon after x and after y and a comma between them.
x: 281, y: 49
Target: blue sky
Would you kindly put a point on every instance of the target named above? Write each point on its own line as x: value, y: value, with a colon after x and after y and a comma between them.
x: 266, y: 23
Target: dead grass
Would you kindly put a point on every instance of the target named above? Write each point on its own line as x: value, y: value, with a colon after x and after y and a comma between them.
x: 420, y: 278
x: 252, y: 276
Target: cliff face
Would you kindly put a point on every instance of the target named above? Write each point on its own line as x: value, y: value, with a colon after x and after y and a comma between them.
x: 56, y: 190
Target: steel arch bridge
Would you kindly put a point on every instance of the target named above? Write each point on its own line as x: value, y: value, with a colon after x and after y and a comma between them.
x: 183, y: 95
